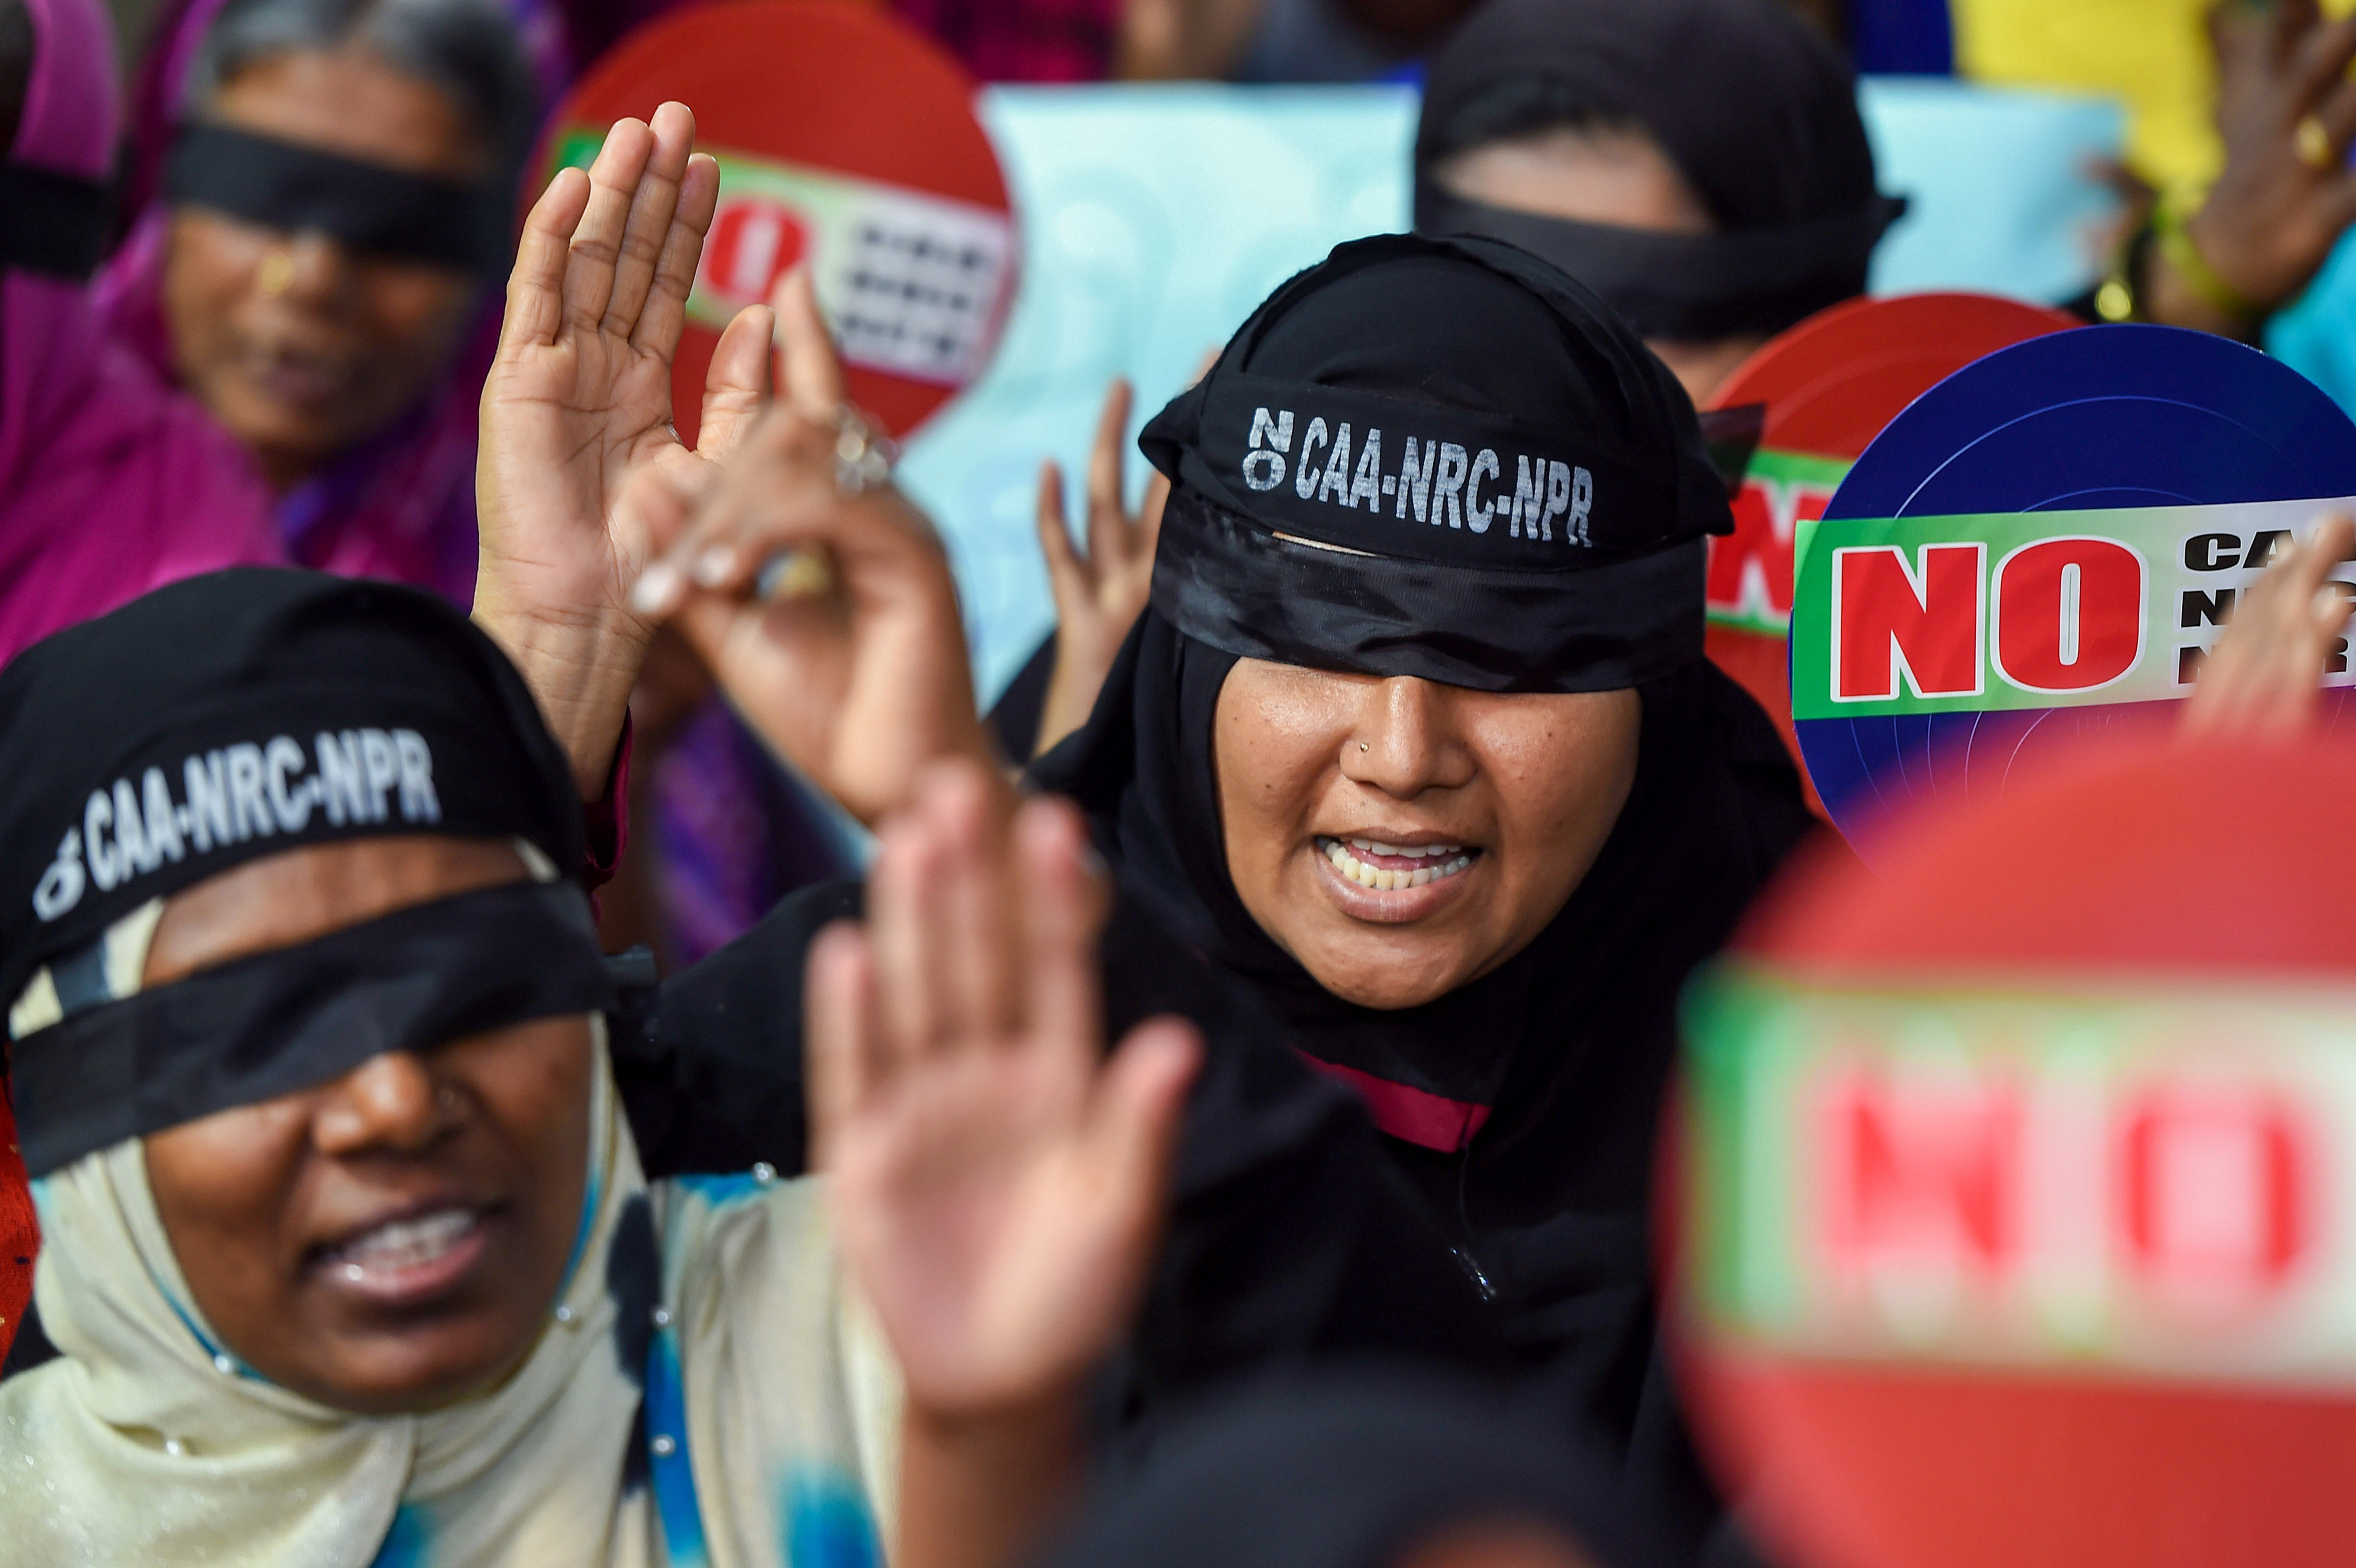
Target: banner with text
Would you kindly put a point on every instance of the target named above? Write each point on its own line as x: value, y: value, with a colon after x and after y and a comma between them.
x: 2028, y: 610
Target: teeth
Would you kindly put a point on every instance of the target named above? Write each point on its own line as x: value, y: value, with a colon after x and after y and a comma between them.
x: 1411, y: 852
x: 1385, y: 881
x: 406, y: 1243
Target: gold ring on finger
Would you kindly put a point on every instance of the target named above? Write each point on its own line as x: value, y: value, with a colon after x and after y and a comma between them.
x: 2313, y: 143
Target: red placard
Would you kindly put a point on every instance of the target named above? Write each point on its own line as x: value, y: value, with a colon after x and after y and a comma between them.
x: 845, y: 138
x: 2008, y: 1217
x: 1829, y: 385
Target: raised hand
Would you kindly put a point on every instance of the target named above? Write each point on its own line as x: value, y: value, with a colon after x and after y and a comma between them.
x: 851, y: 659
x: 2263, y: 678
x: 578, y: 402
x: 999, y: 1186
x: 1098, y: 596
x: 2286, y: 112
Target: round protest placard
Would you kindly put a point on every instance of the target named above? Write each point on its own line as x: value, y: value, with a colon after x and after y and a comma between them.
x: 1827, y: 386
x: 2048, y: 542
x: 2010, y: 1221
x: 846, y: 140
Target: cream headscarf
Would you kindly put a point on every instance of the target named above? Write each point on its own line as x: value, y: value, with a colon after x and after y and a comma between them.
x: 765, y: 1436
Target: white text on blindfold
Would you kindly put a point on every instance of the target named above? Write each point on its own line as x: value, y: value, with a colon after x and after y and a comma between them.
x: 233, y: 794
x: 1440, y: 479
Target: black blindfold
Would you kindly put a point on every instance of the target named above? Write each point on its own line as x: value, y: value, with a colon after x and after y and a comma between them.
x: 381, y: 211
x: 1687, y: 287
x: 255, y: 1030
x: 51, y: 223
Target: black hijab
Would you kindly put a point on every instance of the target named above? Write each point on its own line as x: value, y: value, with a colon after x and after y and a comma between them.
x: 1526, y: 1103
x: 1353, y: 1471
x: 1756, y: 109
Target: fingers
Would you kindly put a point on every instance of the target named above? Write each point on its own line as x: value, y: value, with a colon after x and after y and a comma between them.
x: 900, y: 885
x: 2262, y: 676
x: 845, y: 1059
x: 1107, y: 520
x: 736, y: 387
x: 645, y: 228
x: 1065, y: 572
x: 536, y: 285
x: 1148, y: 516
x: 2324, y: 67
x: 2327, y: 601
x: 809, y: 372
x: 1139, y: 1109
x: 1062, y: 913
x: 974, y: 950
x: 664, y: 316
x: 939, y: 920
x: 597, y: 237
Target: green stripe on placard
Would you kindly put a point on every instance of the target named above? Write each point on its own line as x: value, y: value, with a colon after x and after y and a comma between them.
x: 1752, y: 568
x: 2023, y: 610
x: 2140, y: 1181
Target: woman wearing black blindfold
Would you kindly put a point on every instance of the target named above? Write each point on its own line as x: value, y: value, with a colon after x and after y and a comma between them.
x: 347, y: 1248
x: 334, y: 207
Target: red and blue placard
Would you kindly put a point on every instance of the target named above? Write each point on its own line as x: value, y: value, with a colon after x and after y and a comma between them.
x: 1828, y: 386
x: 2045, y: 544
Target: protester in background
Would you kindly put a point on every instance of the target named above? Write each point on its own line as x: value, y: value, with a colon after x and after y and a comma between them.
x: 353, y: 1252
x: 336, y: 202
x: 1700, y: 164
x: 109, y: 483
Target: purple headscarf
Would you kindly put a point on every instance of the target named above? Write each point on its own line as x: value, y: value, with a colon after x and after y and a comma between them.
x: 110, y: 485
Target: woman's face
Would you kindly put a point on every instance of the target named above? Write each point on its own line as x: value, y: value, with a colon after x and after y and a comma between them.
x: 1621, y: 178
x: 298, y: 345
x: 1399, y: 837
x: 394, y: 1240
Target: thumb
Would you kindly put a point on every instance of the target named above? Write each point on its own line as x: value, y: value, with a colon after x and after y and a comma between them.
x: 809, y: 370
x: 1133, y: 1125
x: 736, y: 388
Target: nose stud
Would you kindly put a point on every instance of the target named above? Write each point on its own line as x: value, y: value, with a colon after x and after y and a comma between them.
x: 446, y: 1098
x: 277, y: 274
x: 1362, y: 746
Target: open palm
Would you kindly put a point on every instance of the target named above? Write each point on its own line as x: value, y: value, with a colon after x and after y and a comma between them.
x: 577, y: 406
x: 998, y: 1184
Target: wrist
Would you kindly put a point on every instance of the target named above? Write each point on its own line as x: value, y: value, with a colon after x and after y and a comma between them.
x: 581, y: 667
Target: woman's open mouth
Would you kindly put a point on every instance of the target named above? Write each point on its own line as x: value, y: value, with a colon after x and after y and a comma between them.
x: 1370, y: 879
x: 408, y: 1260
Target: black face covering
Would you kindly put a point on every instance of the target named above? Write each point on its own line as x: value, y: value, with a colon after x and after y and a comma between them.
x: 1439, y: 459
x: 236, y: 716
x: 51, y: 223
x: 383, y: 211
x: 249, y: 1031
x: 1757, y: 111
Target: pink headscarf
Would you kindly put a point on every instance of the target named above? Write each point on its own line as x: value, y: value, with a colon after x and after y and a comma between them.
x: 399, y: 503
x: 110, y: 485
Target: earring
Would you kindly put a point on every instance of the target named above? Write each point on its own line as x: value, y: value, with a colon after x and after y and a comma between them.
x: 276, y: 273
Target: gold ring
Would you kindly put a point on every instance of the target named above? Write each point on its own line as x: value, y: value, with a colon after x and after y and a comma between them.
x: 276, y: 273
x: 2313, y: 143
